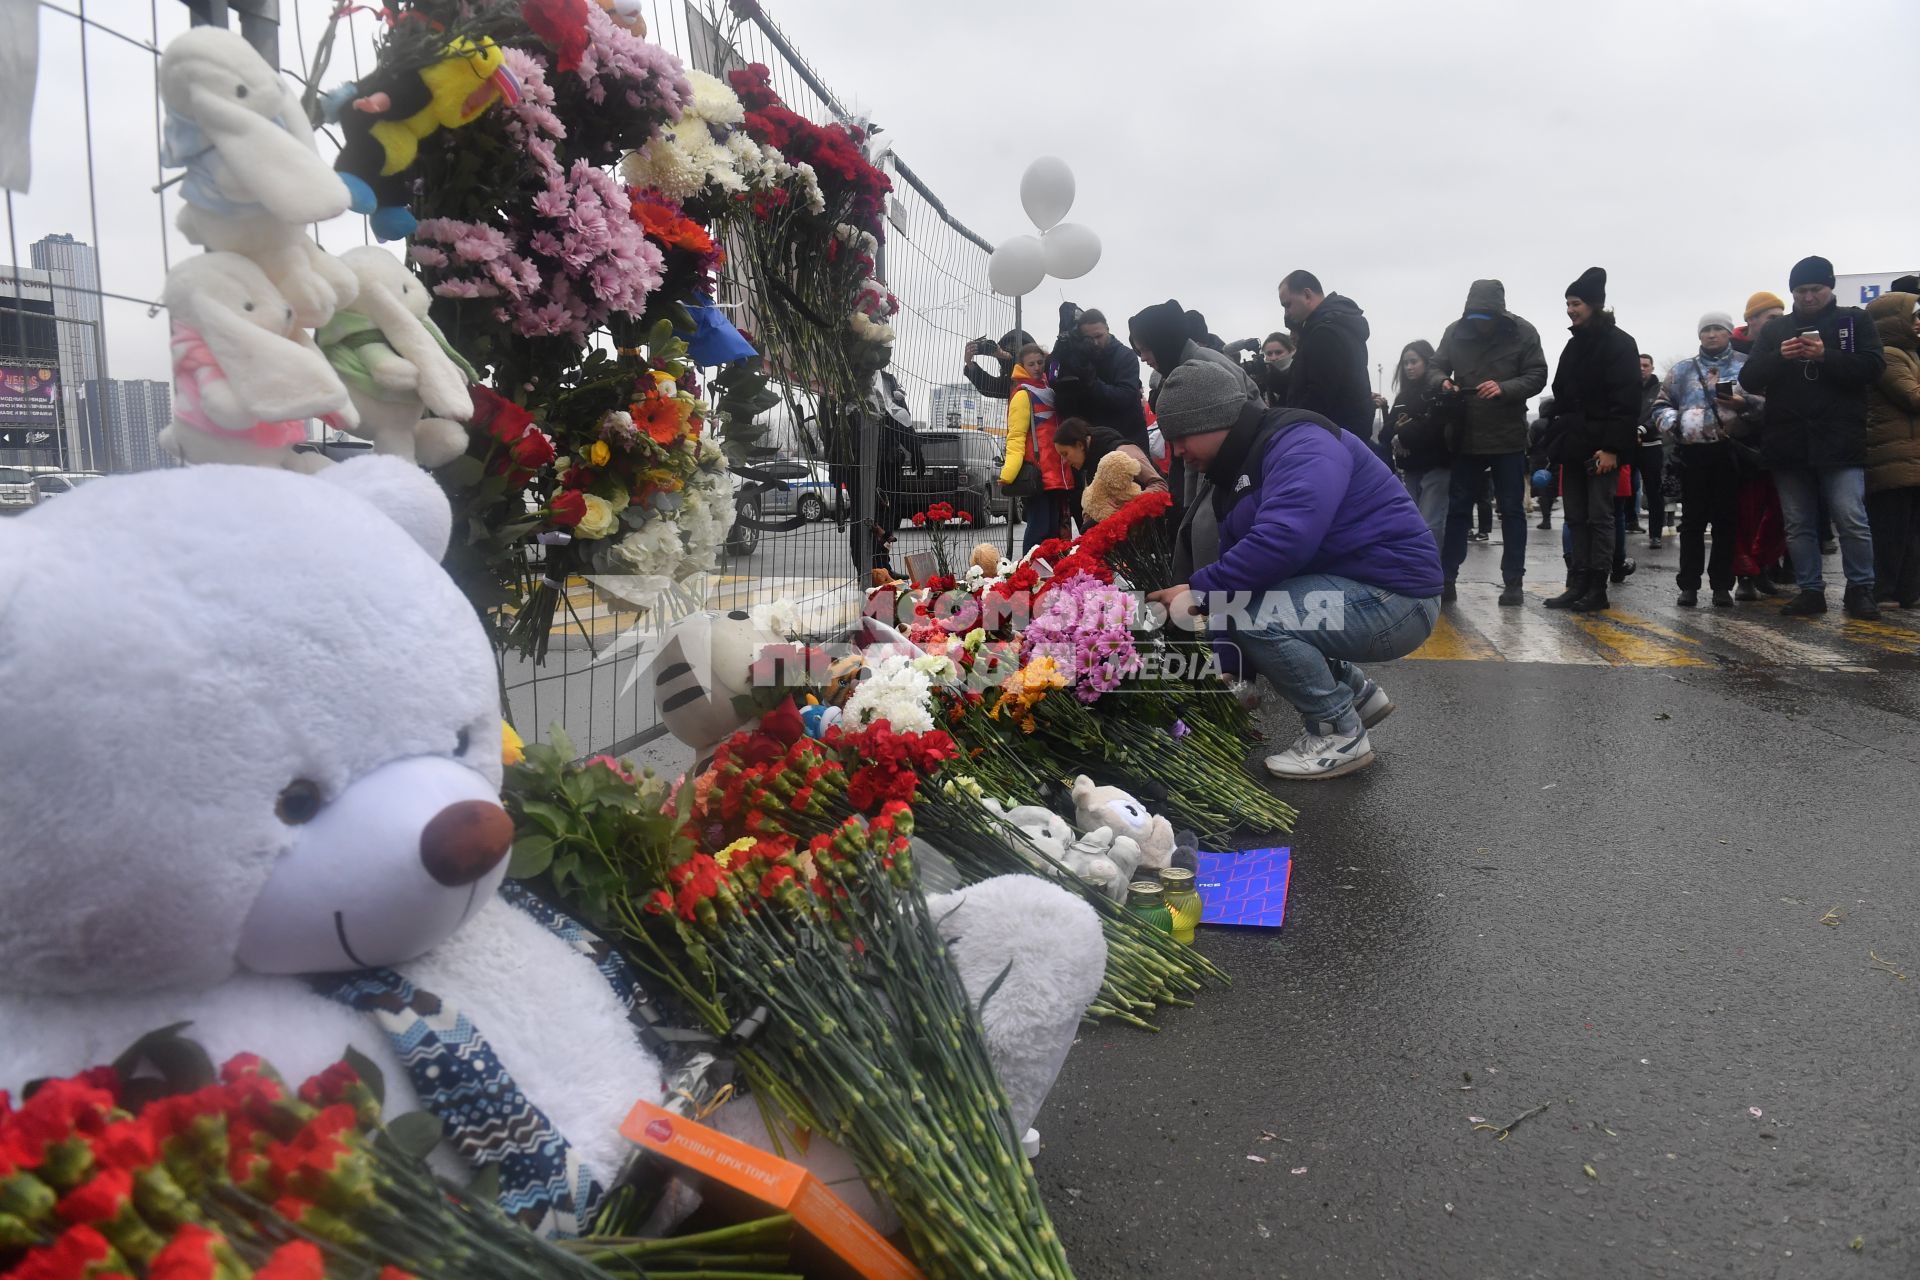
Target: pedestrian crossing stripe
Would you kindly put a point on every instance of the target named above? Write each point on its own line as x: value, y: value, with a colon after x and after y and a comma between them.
x: 1476, y: 629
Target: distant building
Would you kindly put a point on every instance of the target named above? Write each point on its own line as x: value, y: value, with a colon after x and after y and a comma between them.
x: 32, y: 416
x: 128, y: 414
x: 73, y: 272
x: 956, y: 405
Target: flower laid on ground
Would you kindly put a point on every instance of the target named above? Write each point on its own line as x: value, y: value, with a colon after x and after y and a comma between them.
x: 235, y: 1176
x: 1084, y: 626
x: 794, y: 903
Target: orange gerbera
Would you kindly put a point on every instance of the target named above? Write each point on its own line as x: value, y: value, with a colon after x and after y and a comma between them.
x: 659, y: 419
x: 671, y: 229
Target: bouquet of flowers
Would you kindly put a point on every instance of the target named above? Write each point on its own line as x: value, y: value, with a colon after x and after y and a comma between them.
x: 871, y: 1026
x: 234, y: 1177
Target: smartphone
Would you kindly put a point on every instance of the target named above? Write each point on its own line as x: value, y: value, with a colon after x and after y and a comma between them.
x: 1724, y: 391
x: 1809, y: 335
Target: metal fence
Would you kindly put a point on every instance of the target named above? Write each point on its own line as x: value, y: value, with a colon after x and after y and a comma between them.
x: 95, y: 144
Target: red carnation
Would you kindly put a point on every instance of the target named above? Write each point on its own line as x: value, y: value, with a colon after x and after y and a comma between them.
x: 295, y: 1260
x: 783, y: 724
x: 919, y: 519
x: 562, y: 26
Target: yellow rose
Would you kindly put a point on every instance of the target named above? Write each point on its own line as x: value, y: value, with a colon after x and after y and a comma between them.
x: 600, y: 520
x: 598, y: 454
x: 512, y: 750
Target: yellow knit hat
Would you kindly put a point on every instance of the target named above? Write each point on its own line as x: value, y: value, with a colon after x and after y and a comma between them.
x: 1762, y: 302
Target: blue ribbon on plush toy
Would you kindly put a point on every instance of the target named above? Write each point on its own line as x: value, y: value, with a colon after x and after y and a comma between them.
x: 460, y: 1079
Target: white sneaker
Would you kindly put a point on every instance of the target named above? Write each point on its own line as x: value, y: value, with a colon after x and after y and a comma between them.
x: 1373, y: 705
x: 1314, y: 756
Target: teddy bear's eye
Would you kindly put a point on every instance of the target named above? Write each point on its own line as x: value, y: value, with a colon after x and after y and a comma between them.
x: 239, y: 91
x: 247, y: 306
x: 299, y: 802
x: 461, y: 743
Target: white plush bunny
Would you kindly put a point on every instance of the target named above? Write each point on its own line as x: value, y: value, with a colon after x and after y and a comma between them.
x: 1102, y: 857
x: 254, y: 179
x: 245, y: 376
x: 397, y: 364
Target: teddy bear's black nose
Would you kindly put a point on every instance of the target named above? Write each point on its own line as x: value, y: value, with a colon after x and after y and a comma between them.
x: 464, y: 841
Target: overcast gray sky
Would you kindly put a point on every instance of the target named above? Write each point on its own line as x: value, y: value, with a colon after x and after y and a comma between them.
x: 1399, y: 150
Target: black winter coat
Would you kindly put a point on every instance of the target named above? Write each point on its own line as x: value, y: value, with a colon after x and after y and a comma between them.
x: 1596, y: 394
x: 1329, y: 372
x: 1102, y: 386
x: 1417, y: 425
x: 1816, y: 414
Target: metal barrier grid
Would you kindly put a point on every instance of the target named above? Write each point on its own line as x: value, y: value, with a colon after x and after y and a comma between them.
x: 109, y: 149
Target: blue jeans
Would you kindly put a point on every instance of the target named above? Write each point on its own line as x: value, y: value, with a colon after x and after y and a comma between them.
x: 1844, y: 490
x: 1306, y: 634
x: 1509, y: 488
x: 1043, y: 518
x: 1429, y: 490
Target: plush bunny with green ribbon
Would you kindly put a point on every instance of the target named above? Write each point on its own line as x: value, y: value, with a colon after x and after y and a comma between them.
x: 408, y: 383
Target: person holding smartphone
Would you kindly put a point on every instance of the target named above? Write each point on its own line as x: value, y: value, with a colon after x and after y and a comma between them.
x: 1596, y: 417
x: 1814, y: 366
x: 1699, y: 405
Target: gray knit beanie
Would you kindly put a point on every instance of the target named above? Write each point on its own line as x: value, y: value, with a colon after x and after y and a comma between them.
x: 1197, y: 397
x: 1714, y: 319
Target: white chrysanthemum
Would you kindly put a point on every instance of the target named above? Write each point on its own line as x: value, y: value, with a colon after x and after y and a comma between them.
x: 713, y: 100
x: 653, y: 551
x: 894, y: 691
x: 781, y: 617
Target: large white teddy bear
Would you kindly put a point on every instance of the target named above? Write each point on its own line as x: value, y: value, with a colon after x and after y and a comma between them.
x: 253, y: 733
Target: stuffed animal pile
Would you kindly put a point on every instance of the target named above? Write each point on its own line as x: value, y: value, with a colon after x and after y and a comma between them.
x: 248, y: 373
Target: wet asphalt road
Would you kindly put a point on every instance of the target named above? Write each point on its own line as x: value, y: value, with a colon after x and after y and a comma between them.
x: 1597, y: 888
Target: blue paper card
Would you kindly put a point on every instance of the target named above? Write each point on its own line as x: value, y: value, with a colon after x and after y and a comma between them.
x: 1245, y: 888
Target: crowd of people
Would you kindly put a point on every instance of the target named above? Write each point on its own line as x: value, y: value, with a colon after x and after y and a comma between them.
x: 1787, y: 436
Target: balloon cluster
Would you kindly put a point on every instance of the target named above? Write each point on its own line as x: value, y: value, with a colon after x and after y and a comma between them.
x: 1065, y: 250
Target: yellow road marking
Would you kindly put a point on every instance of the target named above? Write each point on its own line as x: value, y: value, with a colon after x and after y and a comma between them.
x: 1450, y: 644
x: 1630, y: 650
x: 1880, y: 635
x: 1639, y: 623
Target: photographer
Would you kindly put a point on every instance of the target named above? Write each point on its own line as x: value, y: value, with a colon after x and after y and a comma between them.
x: 1495, y: 358
x: 995, y: 386
x: 1095, y: 377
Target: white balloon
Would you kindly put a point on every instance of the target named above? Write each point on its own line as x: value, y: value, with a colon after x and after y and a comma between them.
x: 1072, y: 250
x: 1018, y: 266
x: 1046, y: 191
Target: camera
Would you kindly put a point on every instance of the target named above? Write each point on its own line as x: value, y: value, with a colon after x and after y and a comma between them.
x: 985, y: 346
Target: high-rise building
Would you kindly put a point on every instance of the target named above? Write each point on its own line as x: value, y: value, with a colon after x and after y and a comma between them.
x: 957, y: 405
x: 32, y: 417
x: 73, y: 271
x: 128, y: 414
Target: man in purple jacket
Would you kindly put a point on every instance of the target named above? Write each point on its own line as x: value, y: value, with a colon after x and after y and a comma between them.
x: 1324, y: 560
